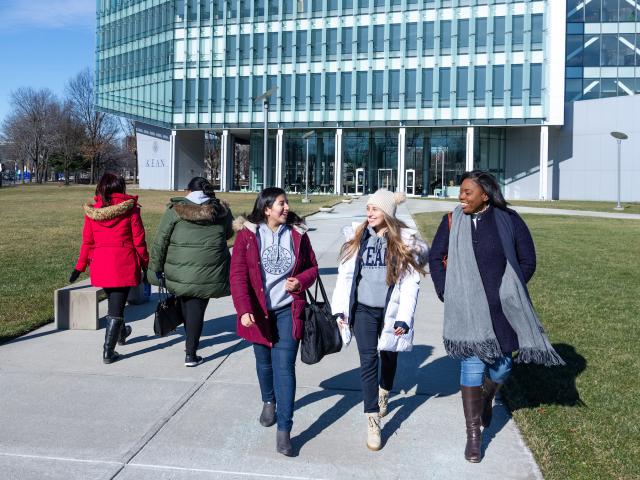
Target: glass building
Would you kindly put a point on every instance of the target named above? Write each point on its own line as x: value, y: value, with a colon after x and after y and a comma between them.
x: 403, y: 94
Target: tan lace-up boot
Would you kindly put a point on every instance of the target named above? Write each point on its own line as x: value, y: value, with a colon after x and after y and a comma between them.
x: 383, y: 401
x: 374, y: 439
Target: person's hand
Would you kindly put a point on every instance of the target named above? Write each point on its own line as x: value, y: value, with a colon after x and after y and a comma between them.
x: 247, y: 320
x: 292, y: 284
x: 159, y: 275
x: 74, y: 275
x: 400, y: 328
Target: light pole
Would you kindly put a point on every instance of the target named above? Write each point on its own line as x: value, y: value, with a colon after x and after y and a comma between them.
x: 306, y: 168
x: 619, y: 136
x: 265, y: 113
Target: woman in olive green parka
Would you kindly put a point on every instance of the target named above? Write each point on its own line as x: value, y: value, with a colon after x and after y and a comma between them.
x: 190, y: 251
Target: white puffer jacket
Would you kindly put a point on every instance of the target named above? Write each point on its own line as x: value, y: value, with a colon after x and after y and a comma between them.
x: 403, y: 300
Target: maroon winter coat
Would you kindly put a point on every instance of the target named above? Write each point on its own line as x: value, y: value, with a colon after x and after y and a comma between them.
x: 246, y: 281
x: 113, y: 242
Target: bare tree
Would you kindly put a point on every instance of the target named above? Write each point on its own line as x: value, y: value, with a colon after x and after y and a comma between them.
x: 100, y: 128
x: 128, y: 126
x: 70, y: 140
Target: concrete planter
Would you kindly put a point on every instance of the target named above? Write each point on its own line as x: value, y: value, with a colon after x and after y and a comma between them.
x: 326, y: 209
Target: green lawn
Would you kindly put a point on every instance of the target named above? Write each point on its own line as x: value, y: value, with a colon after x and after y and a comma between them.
x: 582, y: 421
x: 40, y: 234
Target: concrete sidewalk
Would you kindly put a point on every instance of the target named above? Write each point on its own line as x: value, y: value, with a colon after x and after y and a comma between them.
x: 65, y: 415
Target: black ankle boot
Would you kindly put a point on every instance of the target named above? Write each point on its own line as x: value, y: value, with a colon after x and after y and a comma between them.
x: 125, y: 331
x: 268, y: 415
x: 283, y: 443
x: 489, y: 390
x: 111, y: 334
x: 472, y: 403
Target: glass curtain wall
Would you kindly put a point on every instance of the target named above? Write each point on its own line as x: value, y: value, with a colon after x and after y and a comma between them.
x: 417, y: 157
x: 256, y: 152
x: 370, y: 160
x: 447, y: 148
x: 490, y: 146
x: 321, y: 161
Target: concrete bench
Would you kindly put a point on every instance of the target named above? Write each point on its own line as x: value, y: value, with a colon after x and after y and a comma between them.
x: 76, y: 305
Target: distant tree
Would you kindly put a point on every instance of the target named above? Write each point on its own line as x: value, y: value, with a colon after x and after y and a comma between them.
x: 70, y: 142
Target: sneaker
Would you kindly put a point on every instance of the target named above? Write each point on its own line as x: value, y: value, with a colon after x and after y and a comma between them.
x: 374, y: 438
x: 192, y: 360
x: 383, y: 401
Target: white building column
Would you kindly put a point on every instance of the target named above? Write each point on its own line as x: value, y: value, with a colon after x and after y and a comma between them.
x: 544, y: 162
x: 226, y: 161
x: 279, y: 158
x: 402, y: 135
x: 172, y: 160
x: 337, y: 165
x: 470, y: 146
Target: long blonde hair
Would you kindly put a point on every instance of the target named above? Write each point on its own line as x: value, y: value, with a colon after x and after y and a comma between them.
x: 399, y: 257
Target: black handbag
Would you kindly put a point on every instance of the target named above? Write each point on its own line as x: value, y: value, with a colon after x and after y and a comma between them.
x: 168, y: 312
x: 321, y: 332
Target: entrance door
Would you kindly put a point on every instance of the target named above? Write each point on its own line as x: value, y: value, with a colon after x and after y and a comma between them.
x: 359, y: 181
x: 385, y: 178
x: 410, y: 181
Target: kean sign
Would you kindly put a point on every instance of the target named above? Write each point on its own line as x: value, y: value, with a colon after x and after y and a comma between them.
x: 154, y: 157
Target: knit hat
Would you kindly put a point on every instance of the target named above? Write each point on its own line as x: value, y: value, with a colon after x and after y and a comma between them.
x: 386, y: 201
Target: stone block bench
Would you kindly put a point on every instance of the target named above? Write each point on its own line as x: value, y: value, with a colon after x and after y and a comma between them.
x: 76, y: 305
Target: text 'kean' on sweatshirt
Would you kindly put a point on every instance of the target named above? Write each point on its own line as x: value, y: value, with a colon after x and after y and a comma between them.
x: 277, y: 259
x: 372, y: 289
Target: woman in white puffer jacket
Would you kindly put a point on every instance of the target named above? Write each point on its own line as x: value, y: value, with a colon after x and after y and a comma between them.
x: 376, y: 295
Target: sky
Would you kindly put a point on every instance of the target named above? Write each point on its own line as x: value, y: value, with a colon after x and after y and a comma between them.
x: 43, y: 44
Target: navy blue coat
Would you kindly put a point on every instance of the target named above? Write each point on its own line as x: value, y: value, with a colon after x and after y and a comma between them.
x: 491, y: 264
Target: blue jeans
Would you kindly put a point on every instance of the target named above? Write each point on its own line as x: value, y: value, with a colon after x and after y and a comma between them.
x: 276, y: 368
x: 472, y: 370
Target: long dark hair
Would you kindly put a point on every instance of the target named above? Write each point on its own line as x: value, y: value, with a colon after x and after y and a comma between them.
x: 489, y: 184
x: 108, y: 185
x: 266, y: 198
x: 201, y: 184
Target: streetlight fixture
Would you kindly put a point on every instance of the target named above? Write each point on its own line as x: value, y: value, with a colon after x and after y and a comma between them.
x: 619, y: 136
x: 306, y: 137
x: 265, y: 112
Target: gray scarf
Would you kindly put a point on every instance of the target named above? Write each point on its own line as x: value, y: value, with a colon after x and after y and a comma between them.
x: 468, y: 329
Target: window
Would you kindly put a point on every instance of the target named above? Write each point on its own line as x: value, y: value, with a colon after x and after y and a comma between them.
x: 535, y: 84
x: 285, y: 91
x: 347, y: 41
x: 378, y: 5
x: 345, y: 90
x: 445, y: 37
x: 378, y: 39
x: 273, y: 8
x: 347, y: 6
x: 481, y: 35
x: 258, y: 6
x: 409, y: 88
x: 301, y: 91
x: 301, y: 45
x: 462, y: 85
x: 498, y: 34
x: 394, y: 88
x: 332, y: 43
x: 463, y: 36
x: 229, y: 93
x: 609, y: 50
x: 178, y: 96
x: 361, y: 89
x: 517, y: 33
x: 231, y: 50
x: 287, y: 45
x: 610, y: 10
x: 245, y: 48
x: 412, y: 39
x: 316, y: 44
x: 216, y: 94
x: 427, y: 87
x: 272, y: 47
x: 316, y: 8
x: 498, y: 85
x: 479, y: 85
x: 444, y: 87
x: 257, y: 90
x: 203, y: 94
x: 516, y: 84
x: 377, y: 87
x: 258, y: 47
x: 363, y: 39
x: 330, y: 90
x: 287, y: 10
x: 428, y: 35
x: 244, y: 99
x: 316, y: 90
x: 394, y: 38
x: 332, y: 6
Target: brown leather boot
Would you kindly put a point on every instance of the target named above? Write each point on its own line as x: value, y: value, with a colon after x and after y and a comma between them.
x: 472, y: 403
x: 489, y: 389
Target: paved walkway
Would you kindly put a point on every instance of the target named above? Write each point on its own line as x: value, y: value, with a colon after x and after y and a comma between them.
x: 416, y: 205
x: 65, y: 415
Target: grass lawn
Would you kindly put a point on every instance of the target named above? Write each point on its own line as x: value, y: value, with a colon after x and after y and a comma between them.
x: 40, y: 235
x: 582, y: 421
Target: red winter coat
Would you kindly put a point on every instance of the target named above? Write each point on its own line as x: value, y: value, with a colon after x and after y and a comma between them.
x: 113, y: 244
x: 246, y: 281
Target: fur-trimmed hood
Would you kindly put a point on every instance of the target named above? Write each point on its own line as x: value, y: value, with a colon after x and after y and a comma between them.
x: 242, y: 222
x: 121, y: 204
x: 206, y: 213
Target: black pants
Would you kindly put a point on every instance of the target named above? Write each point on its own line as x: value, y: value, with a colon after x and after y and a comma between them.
x: 193, y: 313
x: 368, y: 323
x: 116, y: 300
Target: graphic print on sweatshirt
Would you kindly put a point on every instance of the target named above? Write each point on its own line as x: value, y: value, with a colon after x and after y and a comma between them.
x: 276, y: 259
x: 374, y: 256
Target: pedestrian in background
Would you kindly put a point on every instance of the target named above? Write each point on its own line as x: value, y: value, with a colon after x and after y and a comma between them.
x: 114, y: 248
x: 481, y: 259
x: 376, y: 294
x: 190, y: 253
x: 271, y: 267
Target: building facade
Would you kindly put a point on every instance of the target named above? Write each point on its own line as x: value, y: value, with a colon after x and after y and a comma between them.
x: 403, y: 94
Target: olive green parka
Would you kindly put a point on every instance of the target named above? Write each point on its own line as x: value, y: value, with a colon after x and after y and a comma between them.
x: 190, y: 247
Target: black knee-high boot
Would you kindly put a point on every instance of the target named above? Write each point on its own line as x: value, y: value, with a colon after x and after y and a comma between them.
x: 489, y: 390
x: 472, y: 403
x: 111, y: 335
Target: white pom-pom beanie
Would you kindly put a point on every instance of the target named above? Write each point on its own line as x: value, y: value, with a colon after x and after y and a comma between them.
x: 386, y: 201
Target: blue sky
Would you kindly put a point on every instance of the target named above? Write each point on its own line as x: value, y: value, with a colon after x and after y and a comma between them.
x: 43, y: 43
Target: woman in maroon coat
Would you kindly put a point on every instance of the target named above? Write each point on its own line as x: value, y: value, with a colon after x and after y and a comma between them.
x: 271, y: 267
x: 114, y: 248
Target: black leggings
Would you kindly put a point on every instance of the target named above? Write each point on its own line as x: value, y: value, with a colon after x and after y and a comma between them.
x: 193, y: 313
x: 117, y: 300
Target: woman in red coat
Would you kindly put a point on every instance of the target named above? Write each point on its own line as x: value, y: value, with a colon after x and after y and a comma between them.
x: 114, y: 248
x: 271, y: 267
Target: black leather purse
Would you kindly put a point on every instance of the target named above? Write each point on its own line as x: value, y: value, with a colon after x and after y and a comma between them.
x: 168, y: 312
x: 321, y: 332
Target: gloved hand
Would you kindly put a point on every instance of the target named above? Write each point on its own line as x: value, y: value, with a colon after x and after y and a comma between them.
x: 74, y: 275
x: 159, y: 275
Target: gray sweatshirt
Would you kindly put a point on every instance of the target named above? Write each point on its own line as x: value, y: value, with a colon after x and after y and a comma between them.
x: 277, y: 259
x: 372, y: 289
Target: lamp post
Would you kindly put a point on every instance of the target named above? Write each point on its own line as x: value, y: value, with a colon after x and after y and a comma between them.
x: 306, y: 137
x: 619, y: 136
x: 265, y: 113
